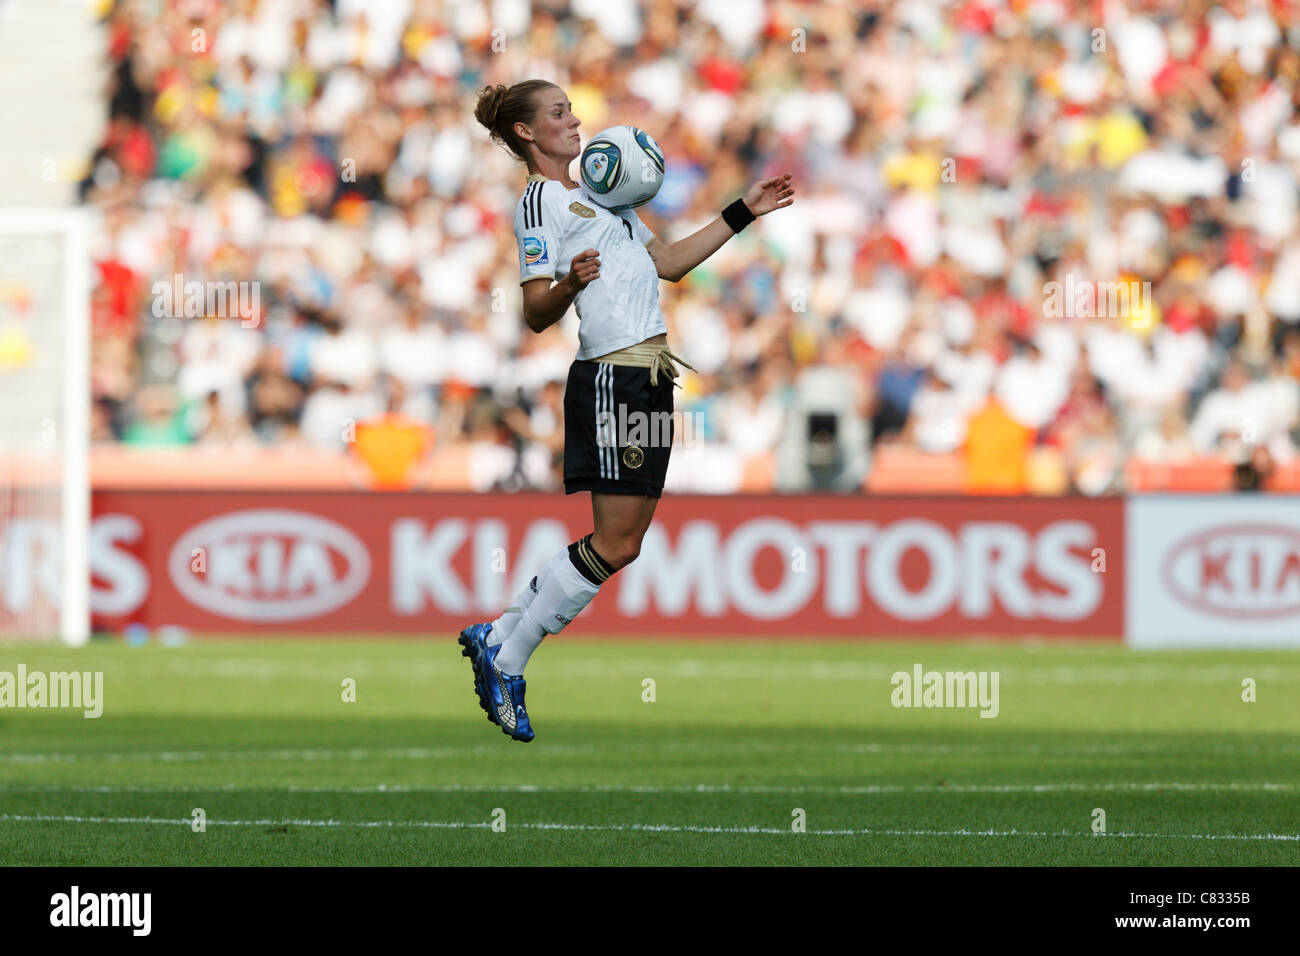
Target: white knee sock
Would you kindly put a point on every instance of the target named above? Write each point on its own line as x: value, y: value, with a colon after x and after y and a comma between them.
x: 561, y: 595
x: 505, y: 624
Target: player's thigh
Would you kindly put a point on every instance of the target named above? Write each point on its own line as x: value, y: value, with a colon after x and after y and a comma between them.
x: 622, y: 517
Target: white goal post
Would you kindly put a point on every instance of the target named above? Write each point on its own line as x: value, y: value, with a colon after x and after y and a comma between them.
x: 44, y: 424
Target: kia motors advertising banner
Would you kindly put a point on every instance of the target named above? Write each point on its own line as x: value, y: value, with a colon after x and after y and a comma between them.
x: 1163, y: 571
x: 1213, y: 571
x: 794, y: 566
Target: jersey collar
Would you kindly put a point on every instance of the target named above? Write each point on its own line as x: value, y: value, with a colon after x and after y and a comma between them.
x: 539, y: 178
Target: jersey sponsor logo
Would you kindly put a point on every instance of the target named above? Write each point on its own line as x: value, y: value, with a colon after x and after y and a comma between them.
x: 534, y: 251
x: 578, y: 209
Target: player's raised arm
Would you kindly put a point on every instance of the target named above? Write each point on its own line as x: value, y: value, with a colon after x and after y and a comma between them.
x: 675, y: 260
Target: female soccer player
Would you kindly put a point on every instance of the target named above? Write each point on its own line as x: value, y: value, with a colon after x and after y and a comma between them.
x: 608, y: 264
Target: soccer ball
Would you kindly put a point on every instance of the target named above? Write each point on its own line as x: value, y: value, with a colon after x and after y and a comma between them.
x: 622, y: 167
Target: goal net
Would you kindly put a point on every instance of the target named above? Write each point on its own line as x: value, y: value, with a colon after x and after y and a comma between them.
x: 44, y: 425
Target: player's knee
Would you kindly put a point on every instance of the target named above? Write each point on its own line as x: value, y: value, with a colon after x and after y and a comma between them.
x: 625, y: 552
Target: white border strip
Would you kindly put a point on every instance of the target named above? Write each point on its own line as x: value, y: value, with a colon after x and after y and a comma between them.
x: 501, y: 750
x: 703, y: 788
x: 631, y: 827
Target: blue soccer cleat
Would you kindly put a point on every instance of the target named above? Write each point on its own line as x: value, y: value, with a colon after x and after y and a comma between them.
x: 473, y: 641
x: 500, y: 696
x: 511, y: 715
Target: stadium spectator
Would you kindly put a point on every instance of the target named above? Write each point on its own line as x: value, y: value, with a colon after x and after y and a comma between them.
x: 957, y: 160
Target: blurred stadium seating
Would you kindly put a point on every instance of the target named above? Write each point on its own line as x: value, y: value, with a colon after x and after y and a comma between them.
x: 953, y: 160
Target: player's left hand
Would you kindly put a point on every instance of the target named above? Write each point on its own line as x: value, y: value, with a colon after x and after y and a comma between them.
x: 768, y: 194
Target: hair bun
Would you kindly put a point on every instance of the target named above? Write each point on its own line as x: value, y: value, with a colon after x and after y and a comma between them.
x: 490, y: 106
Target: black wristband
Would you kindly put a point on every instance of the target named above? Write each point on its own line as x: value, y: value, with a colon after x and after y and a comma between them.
x: 738, y: 216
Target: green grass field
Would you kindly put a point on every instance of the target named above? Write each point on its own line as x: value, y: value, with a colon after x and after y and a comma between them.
x: 256, y: 734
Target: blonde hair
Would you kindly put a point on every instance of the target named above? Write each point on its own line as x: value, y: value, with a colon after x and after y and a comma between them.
x: 500, y: 108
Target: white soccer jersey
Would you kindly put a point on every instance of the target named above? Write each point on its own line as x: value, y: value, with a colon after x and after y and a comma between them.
x: 554, y: 224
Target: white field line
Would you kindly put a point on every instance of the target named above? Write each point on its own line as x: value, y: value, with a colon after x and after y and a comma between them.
x: 812, y: 747
x: 195, y: 756
x: 423, y: 670
x: 688, y: 668
x: 703, y: 788
x: 630, y: 827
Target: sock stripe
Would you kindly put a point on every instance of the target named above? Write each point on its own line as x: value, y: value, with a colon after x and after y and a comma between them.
x: 589, y: 564
x: 593, y: 562
x: 604, y: 565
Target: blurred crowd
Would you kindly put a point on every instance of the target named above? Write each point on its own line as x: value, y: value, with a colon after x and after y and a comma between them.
x: 975, y: 181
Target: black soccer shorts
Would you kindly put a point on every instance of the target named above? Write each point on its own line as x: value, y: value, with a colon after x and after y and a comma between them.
x: 618, y: 429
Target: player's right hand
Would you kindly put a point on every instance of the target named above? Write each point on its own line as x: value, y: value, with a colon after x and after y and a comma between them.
x: 584, y: 269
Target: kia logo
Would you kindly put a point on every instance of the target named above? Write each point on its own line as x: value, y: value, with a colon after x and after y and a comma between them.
x: 1237, y: 571
x: 269, y: 565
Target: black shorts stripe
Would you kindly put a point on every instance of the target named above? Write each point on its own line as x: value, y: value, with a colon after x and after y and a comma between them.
x: 599, y: 400
x: 602, y: 412
x: 611, y: 416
